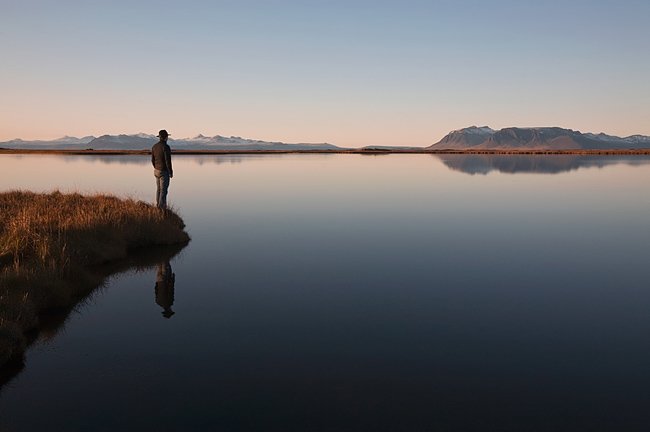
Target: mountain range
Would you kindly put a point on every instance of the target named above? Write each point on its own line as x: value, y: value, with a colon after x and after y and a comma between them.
x: 145, y: 141
x: 539, y: 138
x: 471, y: 138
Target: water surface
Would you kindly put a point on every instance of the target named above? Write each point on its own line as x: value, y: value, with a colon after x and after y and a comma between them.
x: 356, y: 292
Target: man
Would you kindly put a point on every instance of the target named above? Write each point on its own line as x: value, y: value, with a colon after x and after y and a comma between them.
x: 161, y: 158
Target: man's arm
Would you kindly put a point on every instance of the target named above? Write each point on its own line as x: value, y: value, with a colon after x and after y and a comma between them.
x: 168, y: 161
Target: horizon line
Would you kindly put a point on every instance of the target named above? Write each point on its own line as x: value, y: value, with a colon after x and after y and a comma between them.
x: 309, y: 142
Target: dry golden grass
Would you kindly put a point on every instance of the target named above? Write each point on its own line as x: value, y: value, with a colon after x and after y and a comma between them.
x: 48, y: 241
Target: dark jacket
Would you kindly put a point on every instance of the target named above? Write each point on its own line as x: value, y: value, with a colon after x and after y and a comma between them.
x: 161, y: 157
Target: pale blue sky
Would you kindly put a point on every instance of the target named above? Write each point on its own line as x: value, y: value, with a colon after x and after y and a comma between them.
x: 347, y: 72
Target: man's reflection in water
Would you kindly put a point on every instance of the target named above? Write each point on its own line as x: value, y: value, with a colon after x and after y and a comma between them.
x: 165, y: 288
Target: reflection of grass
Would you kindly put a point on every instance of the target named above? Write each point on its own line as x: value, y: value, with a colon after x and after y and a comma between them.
x: 48, y: 242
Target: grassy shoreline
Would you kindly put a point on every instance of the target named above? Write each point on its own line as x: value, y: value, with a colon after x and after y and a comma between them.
x: 49, y: 243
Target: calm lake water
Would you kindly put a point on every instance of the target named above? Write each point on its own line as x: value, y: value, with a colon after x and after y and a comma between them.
x: 360, y: 293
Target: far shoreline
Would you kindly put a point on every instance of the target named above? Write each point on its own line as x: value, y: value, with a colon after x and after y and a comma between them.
x: 371, y: 151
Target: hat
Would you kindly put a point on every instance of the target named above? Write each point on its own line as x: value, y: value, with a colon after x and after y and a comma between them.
x: 162, y: 133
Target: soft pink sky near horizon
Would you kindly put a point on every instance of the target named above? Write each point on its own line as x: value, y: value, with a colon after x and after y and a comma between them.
x: 348, y: 73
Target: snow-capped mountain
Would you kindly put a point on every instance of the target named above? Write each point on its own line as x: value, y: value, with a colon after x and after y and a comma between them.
x: 472, y: 135
x: 218, y: 142
x: 74, y: 140
x: 122, y: 142
x: 475, y: 130
x: 631, y: 140
x: 144, y: 141
x: 59, y: 143
x: 540, y: 138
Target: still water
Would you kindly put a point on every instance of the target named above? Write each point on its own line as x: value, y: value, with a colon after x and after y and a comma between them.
x: 361, y: 293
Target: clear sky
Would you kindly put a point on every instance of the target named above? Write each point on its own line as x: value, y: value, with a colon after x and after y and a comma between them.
x: 348, y: 72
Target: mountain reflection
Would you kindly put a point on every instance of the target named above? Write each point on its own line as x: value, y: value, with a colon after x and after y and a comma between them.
x: 145, y: 159
x: 540, y: 164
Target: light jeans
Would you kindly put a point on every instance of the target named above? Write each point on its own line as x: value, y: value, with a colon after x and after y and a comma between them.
x: 162, y: 185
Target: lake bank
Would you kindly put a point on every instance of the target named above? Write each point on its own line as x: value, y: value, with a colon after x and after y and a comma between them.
x: 49, y: 244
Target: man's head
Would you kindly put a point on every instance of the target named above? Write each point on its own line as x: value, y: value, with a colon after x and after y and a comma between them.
x: 163, y: 135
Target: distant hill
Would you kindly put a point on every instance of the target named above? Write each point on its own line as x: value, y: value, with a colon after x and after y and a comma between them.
x: 145, y: 141
x: 542, y: 138
x: 66, y: 142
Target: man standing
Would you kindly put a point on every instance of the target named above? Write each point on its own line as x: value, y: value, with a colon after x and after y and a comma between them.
x: 161, y: 158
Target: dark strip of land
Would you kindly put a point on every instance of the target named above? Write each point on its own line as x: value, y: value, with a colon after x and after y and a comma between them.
x: 345, y: 151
